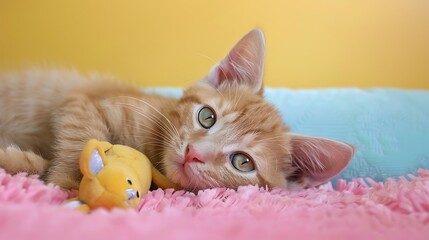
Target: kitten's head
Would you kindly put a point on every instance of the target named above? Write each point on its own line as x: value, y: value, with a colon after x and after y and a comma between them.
x: 230, y: 136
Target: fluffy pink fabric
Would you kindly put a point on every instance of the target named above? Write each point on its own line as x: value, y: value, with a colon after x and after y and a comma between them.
x: 399, y: 209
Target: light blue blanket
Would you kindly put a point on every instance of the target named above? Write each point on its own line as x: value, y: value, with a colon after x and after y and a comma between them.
x: 388, y: 127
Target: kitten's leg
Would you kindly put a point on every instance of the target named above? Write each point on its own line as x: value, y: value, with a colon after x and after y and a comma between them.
x: 77, y: 121
x: 14, y: 160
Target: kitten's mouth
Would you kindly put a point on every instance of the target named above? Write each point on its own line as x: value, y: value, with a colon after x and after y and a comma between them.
x: 190, y: 160
x: 187, y: 169
x: 184, y: 171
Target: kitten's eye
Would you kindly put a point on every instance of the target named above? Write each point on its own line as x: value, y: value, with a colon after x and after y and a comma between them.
x: 206, y: 117
x: 242, y: 162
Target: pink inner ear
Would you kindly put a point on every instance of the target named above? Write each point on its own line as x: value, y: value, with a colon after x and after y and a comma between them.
x: 244, y: 64
x: 227, y: 72
x: 319, y: 159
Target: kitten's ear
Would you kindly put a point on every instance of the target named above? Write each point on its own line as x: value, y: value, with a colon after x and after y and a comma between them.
x: 317, y: 159
x: 244, y: 64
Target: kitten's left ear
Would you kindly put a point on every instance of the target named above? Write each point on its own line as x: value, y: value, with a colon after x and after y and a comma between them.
x: 317, y: 159
x: 244, y: 64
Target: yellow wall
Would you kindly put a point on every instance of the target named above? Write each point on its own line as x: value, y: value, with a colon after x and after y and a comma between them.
x: 320, y: 43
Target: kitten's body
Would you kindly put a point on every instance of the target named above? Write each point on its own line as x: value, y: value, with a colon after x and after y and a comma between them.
x: 53, y: 113
x: 47, y: 116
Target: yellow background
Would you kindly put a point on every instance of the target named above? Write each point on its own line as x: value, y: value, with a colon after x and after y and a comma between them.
x: 320, y: 43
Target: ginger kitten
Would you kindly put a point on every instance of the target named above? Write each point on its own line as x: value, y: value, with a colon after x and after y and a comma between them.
x: 220, y: 133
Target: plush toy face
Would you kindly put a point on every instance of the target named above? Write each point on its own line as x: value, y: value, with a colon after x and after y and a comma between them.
x: 119, y: 181
x: 109, y: 179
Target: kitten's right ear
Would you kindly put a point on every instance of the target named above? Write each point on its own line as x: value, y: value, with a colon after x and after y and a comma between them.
x: 244, y: 64
x: 317, y: 159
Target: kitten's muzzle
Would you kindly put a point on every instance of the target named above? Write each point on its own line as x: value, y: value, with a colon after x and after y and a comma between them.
x: 191, y: 155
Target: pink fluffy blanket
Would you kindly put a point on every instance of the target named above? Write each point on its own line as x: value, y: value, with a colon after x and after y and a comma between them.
x: 359, y: 209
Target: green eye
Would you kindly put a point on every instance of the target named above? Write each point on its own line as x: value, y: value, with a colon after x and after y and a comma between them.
x: 242, y: 162
x: 206, y: 117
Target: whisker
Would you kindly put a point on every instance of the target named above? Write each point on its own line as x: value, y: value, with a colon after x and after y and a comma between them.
x: 148, y: 115
x: 142, y: 113
x: 149, y: 131
x: 156, y: 110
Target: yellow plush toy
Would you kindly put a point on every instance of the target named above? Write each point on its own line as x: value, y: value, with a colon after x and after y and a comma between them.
x: 114, y: 176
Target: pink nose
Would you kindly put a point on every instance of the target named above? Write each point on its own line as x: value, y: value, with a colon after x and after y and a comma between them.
x: 191, y: 155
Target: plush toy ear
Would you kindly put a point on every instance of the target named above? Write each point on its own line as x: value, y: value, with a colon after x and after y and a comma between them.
x: 317, y: 159
x: 244, y: 64
x: 92, y: 159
